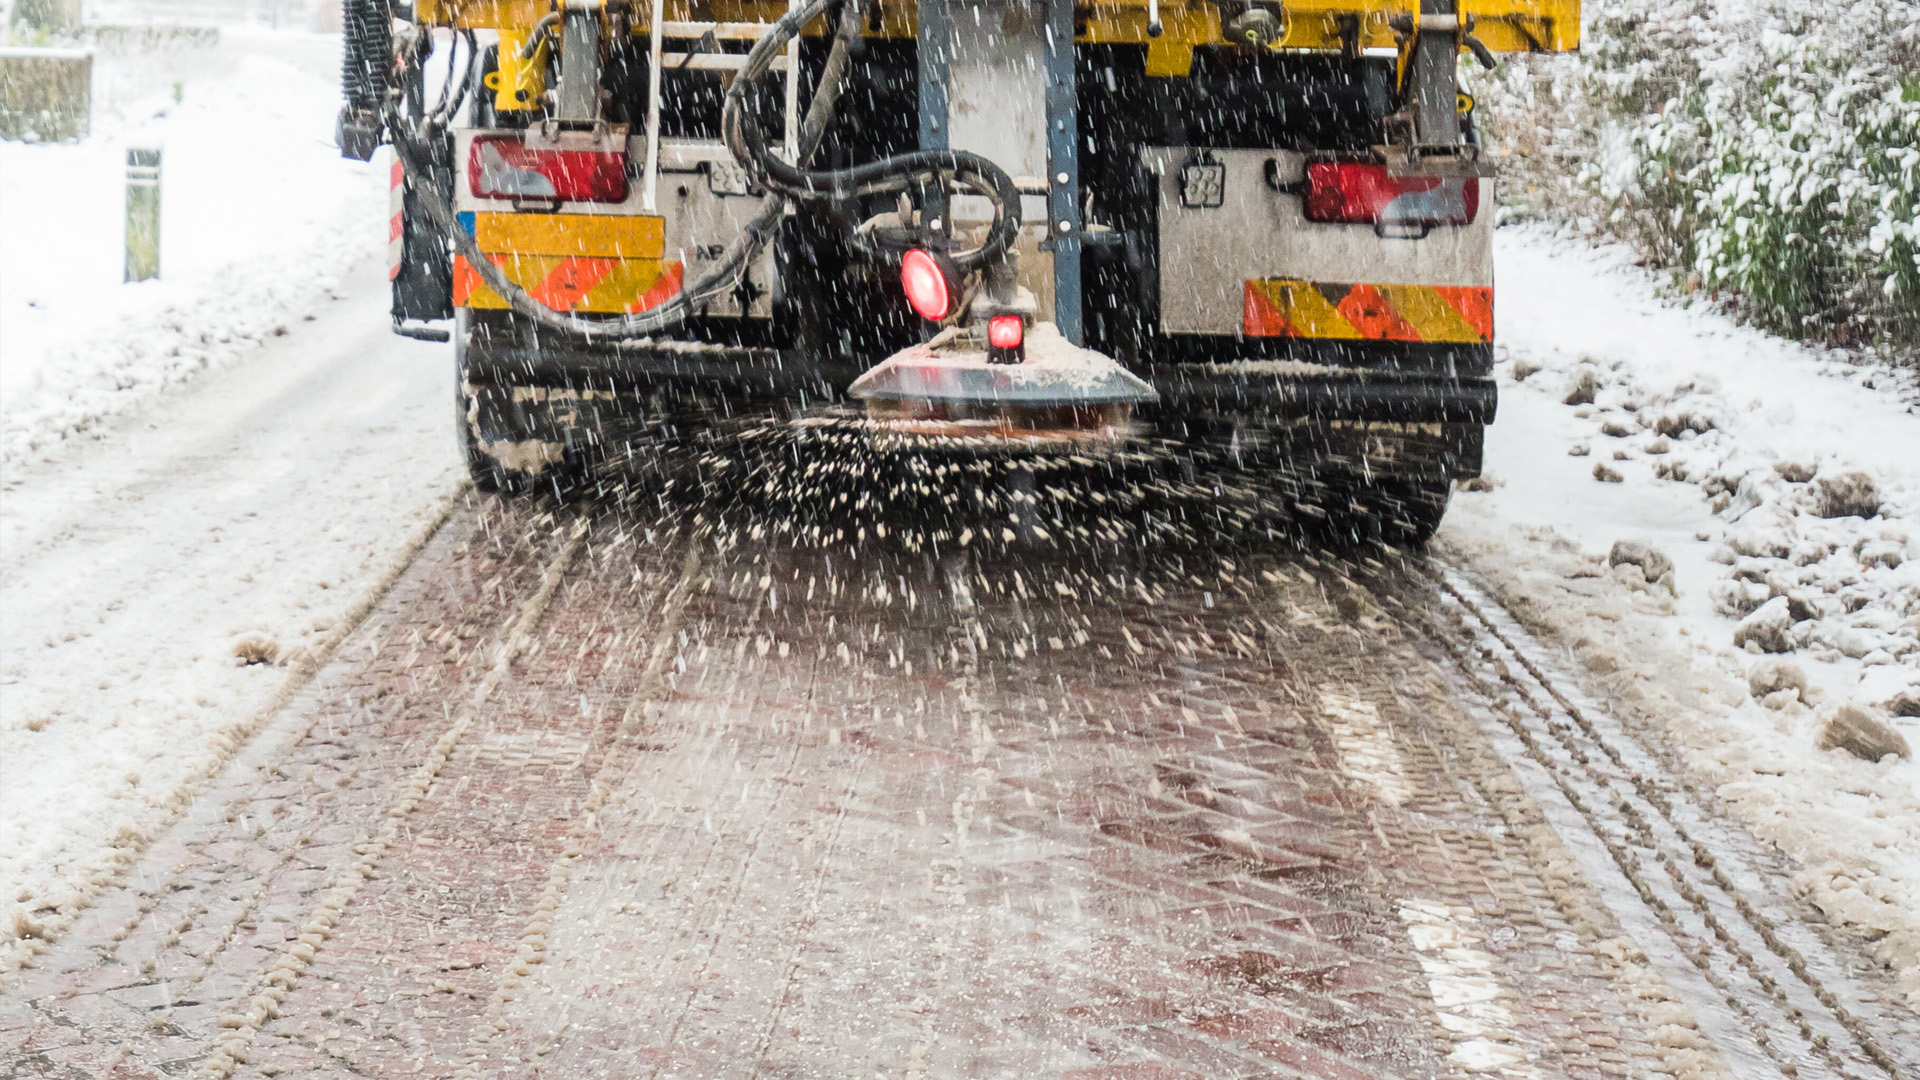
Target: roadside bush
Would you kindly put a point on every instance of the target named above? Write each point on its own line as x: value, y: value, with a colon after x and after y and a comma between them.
x: 1766, y: 152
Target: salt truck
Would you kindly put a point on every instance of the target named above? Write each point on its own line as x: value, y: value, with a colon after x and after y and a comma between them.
x: 1252, y: 227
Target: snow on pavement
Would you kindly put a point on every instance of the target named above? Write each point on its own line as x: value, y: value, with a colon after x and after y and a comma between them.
x: 1725, y: 450
x: 260, y: 216
x: 251, y: 510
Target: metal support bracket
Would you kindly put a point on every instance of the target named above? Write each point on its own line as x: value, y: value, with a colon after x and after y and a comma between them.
x: 1063, y: 170
x: 936, y: 96
x: 579, y: 97
x: 935, y: 49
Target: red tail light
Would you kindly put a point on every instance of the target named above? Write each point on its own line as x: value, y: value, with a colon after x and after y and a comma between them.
x: 1006, y: 331
x: 929, y: 282
x: 1361, y: 193
x: 504, y: 167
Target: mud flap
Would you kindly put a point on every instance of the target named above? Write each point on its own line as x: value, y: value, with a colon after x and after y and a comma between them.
x: 420, y: 258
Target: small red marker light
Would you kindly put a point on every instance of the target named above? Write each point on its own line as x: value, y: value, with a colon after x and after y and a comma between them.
x: 927, y: 284
x: 1006, y: 331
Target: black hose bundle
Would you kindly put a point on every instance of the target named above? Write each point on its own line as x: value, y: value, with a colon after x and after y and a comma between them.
x: 970, y: 172
x: 783, y: 180
x: 366, y: 56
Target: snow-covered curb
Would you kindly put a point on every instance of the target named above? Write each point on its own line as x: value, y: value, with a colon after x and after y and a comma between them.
x: 260, y: 217
x: 1728, y: 446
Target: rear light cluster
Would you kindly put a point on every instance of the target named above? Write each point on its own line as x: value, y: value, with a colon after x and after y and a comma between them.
x: 1362, y: 193
x: 505, y: 167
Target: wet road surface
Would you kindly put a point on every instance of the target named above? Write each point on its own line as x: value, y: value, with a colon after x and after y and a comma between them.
x: 941, y: 770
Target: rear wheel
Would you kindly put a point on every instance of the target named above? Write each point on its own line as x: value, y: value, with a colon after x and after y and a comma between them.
x: 502, y: 448
x: 1402, y: 513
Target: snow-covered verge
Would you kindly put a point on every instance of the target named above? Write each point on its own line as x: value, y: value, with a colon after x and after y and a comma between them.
x: 1766, y: 152
x: 1732, y: 455
x: 164, y: 580
x: 260, y: 217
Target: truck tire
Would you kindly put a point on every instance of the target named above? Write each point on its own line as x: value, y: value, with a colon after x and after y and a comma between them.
x: 1400, y: 513
x: 495, y: 436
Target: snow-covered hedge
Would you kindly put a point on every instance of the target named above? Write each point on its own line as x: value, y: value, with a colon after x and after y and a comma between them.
x: 1767, y: 151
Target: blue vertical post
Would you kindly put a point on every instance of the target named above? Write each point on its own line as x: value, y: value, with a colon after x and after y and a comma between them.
x: 935, y: 49
x: 936, y: 57
x: 1063, y: 170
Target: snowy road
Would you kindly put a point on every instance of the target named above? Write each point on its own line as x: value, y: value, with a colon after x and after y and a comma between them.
x: 678, y: 786
x: 257, y: 507
x: 828, y: 761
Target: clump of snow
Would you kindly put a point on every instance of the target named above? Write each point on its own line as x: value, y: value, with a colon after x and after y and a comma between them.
x: 1770, y: 677
x: 260, y: 217
x: 1851, y: 728
x: 1781, y: 616
x: 1653, y: 563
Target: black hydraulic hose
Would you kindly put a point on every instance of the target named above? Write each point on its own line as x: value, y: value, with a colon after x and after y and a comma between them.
x: 444, y: 113
x: 741, y: 130
x: 538, y: 35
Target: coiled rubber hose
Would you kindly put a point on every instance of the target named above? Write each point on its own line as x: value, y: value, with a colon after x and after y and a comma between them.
x: 741, y: 130
x: 366, y: 54
x: 784, y: 182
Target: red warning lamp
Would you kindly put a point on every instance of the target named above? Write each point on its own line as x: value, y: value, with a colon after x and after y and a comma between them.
x: 1006, y: 339
x: 930, y: 282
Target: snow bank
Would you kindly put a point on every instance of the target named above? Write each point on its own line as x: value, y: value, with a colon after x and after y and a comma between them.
x: 260, y: 217
x: 1785, y: 488
x: 1766, y: 150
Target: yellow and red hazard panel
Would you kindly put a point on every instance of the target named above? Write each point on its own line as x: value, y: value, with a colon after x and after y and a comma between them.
x: 571, y: 262
x: 1453, y: 314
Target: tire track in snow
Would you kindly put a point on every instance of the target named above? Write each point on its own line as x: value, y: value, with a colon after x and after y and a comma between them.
x: 235, y: 738
x: 532, y: 945
x: 274, y: 987
x: 1740, y: 951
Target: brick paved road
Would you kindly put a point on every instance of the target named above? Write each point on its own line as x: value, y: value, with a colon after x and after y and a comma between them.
x: 619, y: 791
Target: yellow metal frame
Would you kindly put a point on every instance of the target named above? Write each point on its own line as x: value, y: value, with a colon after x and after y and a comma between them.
x: 1503, y: 25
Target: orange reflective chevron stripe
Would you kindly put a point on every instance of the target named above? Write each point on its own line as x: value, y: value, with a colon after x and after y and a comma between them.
x: 1368, y: 312
x: 1362, y: 311
x: 663, y: 290
x: 1299, y: 311
x: 1474, y: 303
x: 572, y: 283
x: 1428, y: 314
x: 565, y: 285
x: 1263, y: 317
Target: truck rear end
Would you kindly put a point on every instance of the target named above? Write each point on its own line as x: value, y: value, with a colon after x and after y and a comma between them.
x: 1266, y: 226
